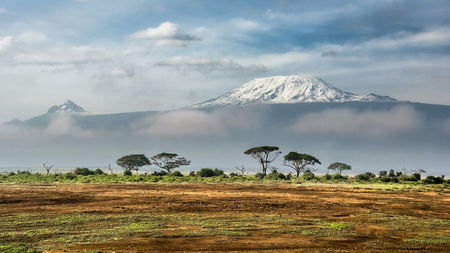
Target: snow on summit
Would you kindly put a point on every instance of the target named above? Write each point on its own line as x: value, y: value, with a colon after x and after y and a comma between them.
x: 68, y: 107
x: 289, y: 90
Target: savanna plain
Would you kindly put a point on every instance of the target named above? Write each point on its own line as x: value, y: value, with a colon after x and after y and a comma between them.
x: 223, y: 216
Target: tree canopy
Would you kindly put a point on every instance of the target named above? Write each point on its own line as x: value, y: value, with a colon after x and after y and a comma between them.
x: 299, y: 162
x: 169, y: 161
x: 133, y: 162
x: 264, y: 155
x: 339, y: 167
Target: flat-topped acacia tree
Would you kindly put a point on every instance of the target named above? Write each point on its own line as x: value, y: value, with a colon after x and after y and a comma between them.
x: 299, y: 162
x: 339, y: 167
x: 169, y: 161
x: 264, y: 155
x: 133, y: 162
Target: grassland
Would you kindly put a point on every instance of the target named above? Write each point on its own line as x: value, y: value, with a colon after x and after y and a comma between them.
x: 255, y: 217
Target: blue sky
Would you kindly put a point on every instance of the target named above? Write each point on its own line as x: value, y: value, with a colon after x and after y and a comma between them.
x: 115, y: 56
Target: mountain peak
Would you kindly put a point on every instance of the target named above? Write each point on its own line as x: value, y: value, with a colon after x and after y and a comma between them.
x: 68, y: 107
x: 288, y: 89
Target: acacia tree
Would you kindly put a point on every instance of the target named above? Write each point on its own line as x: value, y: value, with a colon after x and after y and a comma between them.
x: 264, y: 155
x: 133, y: 162
x: 169, y: 161
x: 339, y: 167
x: 299, y: 162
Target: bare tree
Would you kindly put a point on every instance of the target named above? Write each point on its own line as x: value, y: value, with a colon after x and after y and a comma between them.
x: 48, y: 167
x: 109, y: 168
x: 241, y: 170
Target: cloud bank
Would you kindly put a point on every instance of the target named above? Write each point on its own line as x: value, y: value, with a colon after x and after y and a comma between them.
x: 398, y: 120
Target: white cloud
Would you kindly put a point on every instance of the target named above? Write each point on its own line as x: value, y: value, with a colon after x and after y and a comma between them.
x: 397, y: 120
x: 63, y: 125
x: 6, y: 43
x: 166, y: 34
x: 206, y: 65
x: 248, y: 25
x: 186, y: 123
x: 32, y: 37
x: 312, y: 17
x: 73, y: 55
x: 429, y: 38
x: 182, y: 123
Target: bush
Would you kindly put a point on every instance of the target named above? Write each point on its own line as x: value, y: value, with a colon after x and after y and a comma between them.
x: 410, y: 178
x: 365, y: 176
x: 339, y: 177
x: 160, y: 173
x: 308, y: 175
x: 385, y: 179
x: 98, y: 172
x: 176, y: 174
x: 433, y: 180
x: 83, y: 172
x: 127, y: 173
x: 206, y: 172
x: 192, y: 173
x: 70, y: 176
x: 327, y: 177
x: 232, y: 174
x: 259, y: 175
x: 218, y: 173
x: 275, y: 175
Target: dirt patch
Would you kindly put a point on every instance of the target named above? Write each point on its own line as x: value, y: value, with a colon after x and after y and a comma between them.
x: 222, y: 217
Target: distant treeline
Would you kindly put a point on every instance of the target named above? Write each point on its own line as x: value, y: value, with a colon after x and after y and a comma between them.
x: 85, y: 175
x: 300, y: 163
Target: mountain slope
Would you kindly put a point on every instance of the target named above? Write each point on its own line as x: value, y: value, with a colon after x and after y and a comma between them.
x: 68, y: 107
x: 288, y: 90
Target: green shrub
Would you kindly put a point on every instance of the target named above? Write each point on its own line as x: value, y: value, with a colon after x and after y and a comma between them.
x: 365, y: 176
x: 206, y: 172
x: 176, y: 174
x: 411, y: 178
x: 308, y: 175
x: 83, y: 171
x: 160, y: 173
x: 259, y: 175
x: 275, y: 175
x: 218, y: 173
x: 385, y: 179
x: 127, y: 173
x: 433, y: 180
x: 70, y: 176
x: 98, y: 172
x: 339, y: 177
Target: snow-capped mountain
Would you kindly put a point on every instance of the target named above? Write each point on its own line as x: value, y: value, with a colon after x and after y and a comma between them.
x: 68, y: 107
x: 288, y: 90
